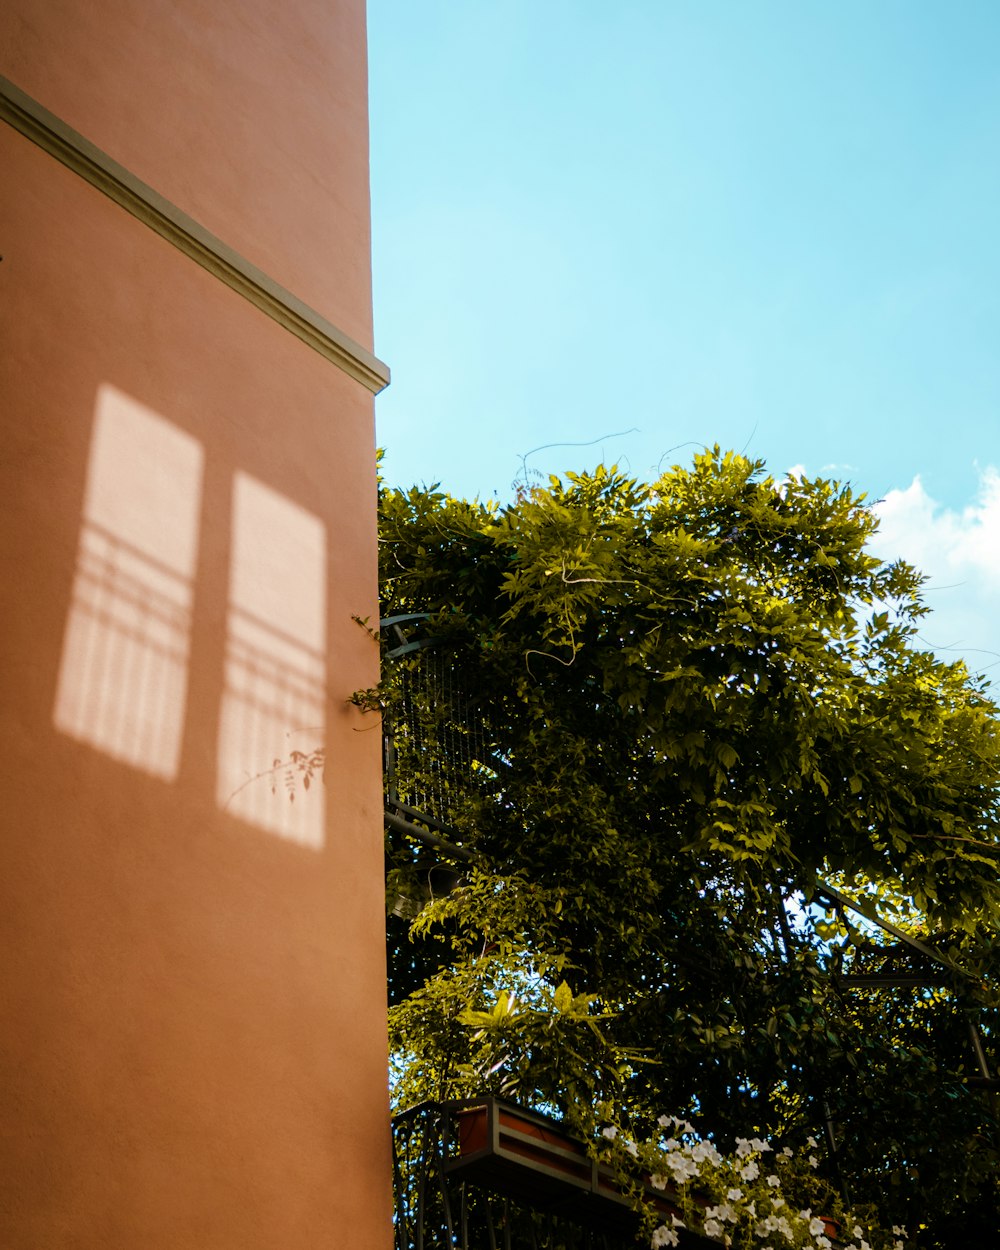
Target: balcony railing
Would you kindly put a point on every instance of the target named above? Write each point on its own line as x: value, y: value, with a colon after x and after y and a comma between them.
x: 438, y: 756
x: 482, y: 1174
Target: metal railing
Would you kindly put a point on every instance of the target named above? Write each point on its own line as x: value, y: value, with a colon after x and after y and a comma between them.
x: 438, y: 754
x: 480, y: 1174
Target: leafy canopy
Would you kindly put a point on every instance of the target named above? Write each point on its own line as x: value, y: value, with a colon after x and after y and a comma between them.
x: 700, y: 697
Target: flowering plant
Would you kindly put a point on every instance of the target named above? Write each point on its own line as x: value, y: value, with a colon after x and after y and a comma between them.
x: 757, y: 1197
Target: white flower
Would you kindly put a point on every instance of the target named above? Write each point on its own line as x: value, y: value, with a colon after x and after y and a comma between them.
x: 898, y: 1245
x: 664, y: 1236
x: 678, y: 1222
x: 761, y: 1146
x: 682, y: 1167
x: 813, y: 1161
x: 712, y: 1228
x: 857, y: 1231
x: 734, y: 1195
x: 816, y: 1226
x: 777, y: 1202
x: 824, y: 1243
x: 812, y: 1143
x: 632, y: 1148
x: 899, y: 1231
x: 773, y: 1181
x: 787, y: 1151
x: 743, y: 1147
x: 724, y: 1212
x: 610, y: 1132
x: 750, y: 1171
x: 664, y: 1120
x: 658, y: 1180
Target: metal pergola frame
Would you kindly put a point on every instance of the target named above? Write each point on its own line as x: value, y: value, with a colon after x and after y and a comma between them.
x: 951, y: 975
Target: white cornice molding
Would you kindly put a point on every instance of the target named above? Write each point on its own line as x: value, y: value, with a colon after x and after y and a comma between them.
x: 188, y: 236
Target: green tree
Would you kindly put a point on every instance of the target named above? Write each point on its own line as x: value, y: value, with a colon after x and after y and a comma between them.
x: 696, y: 700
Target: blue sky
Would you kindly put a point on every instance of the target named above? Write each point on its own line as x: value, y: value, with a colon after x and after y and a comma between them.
x: 768, y: 225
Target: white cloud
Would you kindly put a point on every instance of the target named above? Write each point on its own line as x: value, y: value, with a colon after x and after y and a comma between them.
x: 799, y: 470
x: 959, y: 552
x: 793, y: 474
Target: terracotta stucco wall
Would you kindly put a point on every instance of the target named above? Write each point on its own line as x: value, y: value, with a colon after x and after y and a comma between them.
x: 192, y: 991
x: 251, y: 116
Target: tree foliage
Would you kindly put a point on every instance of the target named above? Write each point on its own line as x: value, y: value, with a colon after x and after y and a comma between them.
x: 701, y: 697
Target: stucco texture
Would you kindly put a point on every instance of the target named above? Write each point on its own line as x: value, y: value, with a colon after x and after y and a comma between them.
x: 250, y: 116
x: 192, y: 1048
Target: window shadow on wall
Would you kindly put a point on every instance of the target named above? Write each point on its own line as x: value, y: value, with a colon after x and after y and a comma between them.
x: 274, y: 704
x: 123, y: 673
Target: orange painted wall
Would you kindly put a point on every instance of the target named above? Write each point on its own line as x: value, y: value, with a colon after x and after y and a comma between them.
x: 250, y: 115
x: 192, y: 1047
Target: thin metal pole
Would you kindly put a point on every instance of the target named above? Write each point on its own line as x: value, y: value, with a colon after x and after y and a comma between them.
x: 831, y: 1141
